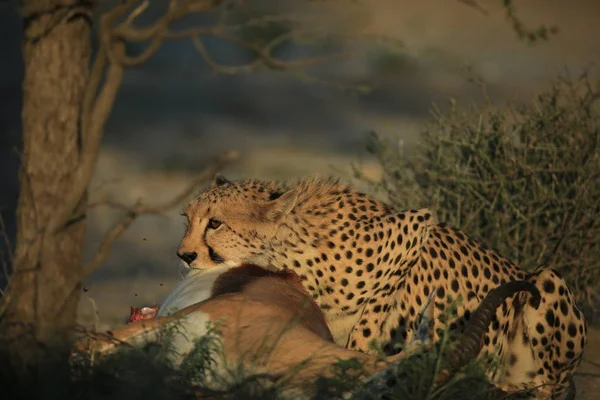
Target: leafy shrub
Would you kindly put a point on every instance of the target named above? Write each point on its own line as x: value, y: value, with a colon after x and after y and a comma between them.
x: 523, y: 179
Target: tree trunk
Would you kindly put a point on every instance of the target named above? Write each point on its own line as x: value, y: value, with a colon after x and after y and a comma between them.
x: 40, y: 303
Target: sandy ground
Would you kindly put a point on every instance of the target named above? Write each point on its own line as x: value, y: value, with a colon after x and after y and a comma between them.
x: 588, y: 374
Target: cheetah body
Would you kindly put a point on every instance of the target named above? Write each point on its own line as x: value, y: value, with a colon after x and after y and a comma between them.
x: 371, y: 268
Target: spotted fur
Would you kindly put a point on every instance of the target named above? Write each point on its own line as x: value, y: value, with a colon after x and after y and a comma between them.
x: 371, y: 268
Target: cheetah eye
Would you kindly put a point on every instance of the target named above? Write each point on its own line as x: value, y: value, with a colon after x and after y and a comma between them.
x: 214, y: 223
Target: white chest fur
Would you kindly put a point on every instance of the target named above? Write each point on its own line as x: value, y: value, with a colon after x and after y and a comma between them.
x: 194, y: 288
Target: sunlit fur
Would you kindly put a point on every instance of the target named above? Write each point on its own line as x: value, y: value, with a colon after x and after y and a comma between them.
x: 253, y: 224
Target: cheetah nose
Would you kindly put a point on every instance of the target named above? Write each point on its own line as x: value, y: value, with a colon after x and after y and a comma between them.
x: 188, y: 256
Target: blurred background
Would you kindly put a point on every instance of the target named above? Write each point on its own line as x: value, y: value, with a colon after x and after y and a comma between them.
x: 174, y: 116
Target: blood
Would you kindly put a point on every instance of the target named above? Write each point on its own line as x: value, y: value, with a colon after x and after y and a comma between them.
x: 139, y: 314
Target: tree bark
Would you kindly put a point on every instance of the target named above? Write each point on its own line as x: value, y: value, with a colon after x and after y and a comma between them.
x: 40, y: 305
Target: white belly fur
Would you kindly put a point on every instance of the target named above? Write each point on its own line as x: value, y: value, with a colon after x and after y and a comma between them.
x: 194, y: 288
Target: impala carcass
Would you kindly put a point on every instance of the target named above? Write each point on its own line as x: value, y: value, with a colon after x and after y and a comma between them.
x: 267, y: 322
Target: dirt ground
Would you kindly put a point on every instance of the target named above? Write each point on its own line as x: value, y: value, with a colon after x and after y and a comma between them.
x: 587, y: 378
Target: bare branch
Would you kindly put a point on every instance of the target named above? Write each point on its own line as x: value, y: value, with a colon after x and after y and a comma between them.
x: 126, y: 31
x: 96, y: 119
x: 264, y: 53
x: 4, y: 235
x: 157, y: 32
x: 110, y: 62
x: 221, y: 68
x: 7, y: 244
x: 475, y: 5
x: 139, y: 10
x: 140, y: 209
x: 230, y: 30
x: 110, y: 204
x: 89, y: 97
x: 112, y: 57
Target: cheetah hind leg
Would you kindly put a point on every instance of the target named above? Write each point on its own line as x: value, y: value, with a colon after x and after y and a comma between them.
x: 556, y: 336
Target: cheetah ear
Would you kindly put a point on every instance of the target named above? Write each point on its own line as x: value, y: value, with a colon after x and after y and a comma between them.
x: 219, y: 180
x: 279, y: 208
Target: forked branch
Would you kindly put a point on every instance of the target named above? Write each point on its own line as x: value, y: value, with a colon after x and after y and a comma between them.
x: 117, y: 28
x: 140, y: 209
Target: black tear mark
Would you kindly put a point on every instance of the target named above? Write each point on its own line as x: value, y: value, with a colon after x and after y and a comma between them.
x: 214, y: 256
x: 275, y: 195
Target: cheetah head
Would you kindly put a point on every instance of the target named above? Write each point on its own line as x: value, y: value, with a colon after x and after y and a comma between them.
x: 234, y: 223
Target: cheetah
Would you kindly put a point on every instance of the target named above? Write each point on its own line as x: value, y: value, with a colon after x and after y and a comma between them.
x: 370, y: 268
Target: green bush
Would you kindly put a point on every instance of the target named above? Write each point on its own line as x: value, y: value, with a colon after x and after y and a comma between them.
x: 523, y: 179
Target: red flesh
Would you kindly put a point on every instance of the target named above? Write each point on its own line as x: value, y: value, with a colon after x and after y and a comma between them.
x: 139, y: 314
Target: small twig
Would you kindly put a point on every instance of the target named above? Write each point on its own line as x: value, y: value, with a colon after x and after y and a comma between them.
x: 141, y: 209
x: 591, y: 295
x: 475, y: 5
x: 8, y: 246
x: 111, y: 204
x: 594, y: 363
x: 96, y: 313
x: 588, y: 374
x: 264, y: 53
x: 201, y: 49
x: 139, y: 10
x: 92, y: 139
x: 155, y: 33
